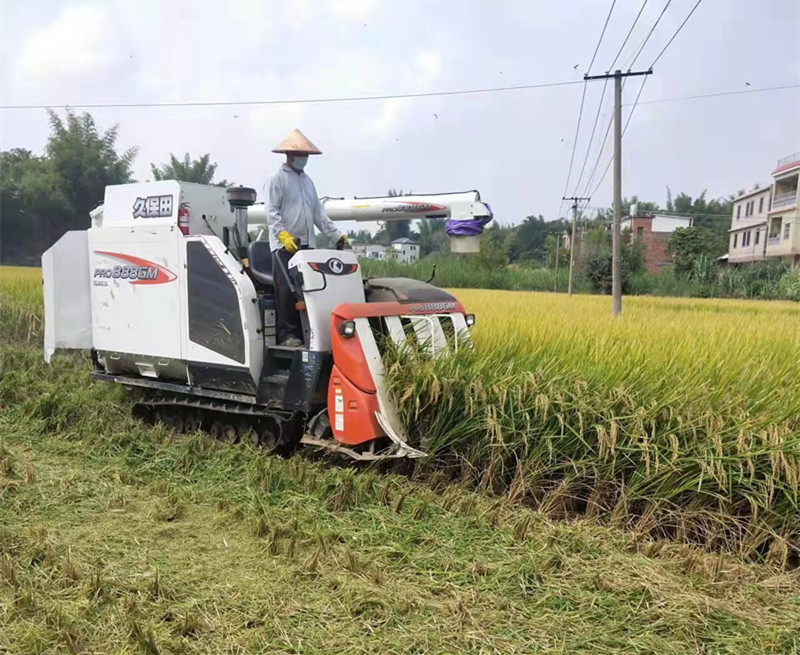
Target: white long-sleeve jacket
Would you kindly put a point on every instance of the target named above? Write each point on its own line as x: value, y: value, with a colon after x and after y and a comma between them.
x: 293, y: 205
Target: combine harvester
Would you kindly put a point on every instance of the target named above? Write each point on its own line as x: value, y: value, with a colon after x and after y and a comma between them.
x: 173, y: 298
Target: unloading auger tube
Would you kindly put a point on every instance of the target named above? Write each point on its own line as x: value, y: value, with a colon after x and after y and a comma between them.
x: 464, y: 213
x: 171, y: 305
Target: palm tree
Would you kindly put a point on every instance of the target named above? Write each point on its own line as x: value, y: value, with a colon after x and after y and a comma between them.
x: 199, y: 171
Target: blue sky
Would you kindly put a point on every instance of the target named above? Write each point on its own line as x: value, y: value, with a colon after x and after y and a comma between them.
x: 514, y: 146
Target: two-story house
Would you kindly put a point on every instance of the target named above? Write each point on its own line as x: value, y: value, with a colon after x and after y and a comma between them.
x: 403, y: 250
x: 749, y: 226
x: 765, y: 221
x: 653, y: 231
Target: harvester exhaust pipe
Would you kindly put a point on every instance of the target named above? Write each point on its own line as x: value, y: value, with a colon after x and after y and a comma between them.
x: 240, y: 198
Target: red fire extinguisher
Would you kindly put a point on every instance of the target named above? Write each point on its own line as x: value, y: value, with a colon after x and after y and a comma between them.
x: 183, y: 219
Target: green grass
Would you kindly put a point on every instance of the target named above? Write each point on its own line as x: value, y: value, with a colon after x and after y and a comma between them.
x: 116, y: 537
x: 463, y: 271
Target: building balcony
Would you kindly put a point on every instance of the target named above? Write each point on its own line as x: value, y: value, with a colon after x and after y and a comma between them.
x: 784, y: 200
x: 788, y: 162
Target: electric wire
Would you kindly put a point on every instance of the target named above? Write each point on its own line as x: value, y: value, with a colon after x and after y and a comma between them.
x: 678, y: 31
x: 580, y: 111
x: 650, y: 33
x: 630, y: 31
x: 297, y: 101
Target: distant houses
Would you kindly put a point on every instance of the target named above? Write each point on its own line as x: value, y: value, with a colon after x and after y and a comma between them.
x: 653, y: 231
x: 404, y: 251
x: 764, y: 224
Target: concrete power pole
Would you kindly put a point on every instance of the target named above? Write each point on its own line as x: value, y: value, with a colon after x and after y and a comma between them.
x: 616, y: 238
x: 616, y: 246
x: 573, y: 239
x: 555, y: 279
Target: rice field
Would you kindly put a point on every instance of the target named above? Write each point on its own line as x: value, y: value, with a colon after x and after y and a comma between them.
x: 681, y: 418
x: 120, y: 537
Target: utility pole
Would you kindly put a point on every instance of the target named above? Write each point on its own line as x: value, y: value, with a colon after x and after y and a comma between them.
x: 616, y: 238
x: 573, y: 239
x: 555, y: 279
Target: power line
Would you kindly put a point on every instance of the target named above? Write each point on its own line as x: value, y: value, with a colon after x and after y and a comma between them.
x: 600, y: 40
x: 388, y: 97
x: 599, y: 155
x: 650, y: 33
x: 580, y: 111
x: 624, y: 130
x: 722, y: 93
x: 680, y: 27
x: 591, y: 138
x: 667, y: 212
x: 630, y: 31
x: 650, y: 102
x: 574, y: 142
x: 298, y: 101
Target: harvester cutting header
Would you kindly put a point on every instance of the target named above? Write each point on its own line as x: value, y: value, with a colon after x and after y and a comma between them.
x: 174, y: 298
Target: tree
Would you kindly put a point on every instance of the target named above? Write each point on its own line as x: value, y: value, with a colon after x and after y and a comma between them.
x: 84, y: 162
x: 597, y: 259
x: 397, y: 229
x: 26, y: 197
x: 199, y: 171
x: 43, y: 197
x: 531, y: 239
x: 360, y: 237
x: 432, y: 236
x: 687, y: 245
x: 642, y: 206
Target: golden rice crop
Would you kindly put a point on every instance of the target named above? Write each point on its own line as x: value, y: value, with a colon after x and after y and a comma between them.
x: 680, y: 418
x: 21, y: 308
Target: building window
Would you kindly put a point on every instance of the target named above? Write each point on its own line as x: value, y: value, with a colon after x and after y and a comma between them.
x: 738, y: 212
x: 786, y: 229
x: 761, y: 205
x: 639, y: 232
x: 735, y: 240
x: 758, y: 234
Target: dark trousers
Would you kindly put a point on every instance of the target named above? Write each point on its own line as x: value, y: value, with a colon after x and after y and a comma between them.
x: 288, y: 316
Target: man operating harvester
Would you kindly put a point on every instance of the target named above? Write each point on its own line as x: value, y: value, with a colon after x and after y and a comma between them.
x: 294, y: 210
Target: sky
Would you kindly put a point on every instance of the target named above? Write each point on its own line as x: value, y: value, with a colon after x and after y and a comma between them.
x: 513, y: 146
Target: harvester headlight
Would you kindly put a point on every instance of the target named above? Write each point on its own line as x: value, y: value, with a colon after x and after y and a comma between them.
x: 348, y: 329
x: 470, y: 319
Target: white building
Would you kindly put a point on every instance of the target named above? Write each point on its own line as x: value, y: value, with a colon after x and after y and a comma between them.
x: 370, y: 251
x: 404, y: 251
x: 765, y: 221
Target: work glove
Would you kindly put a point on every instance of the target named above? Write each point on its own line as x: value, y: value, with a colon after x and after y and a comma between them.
x: 342, y: 242
x: 288, y: 242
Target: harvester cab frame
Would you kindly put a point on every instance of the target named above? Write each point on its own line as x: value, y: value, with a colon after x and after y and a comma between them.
x: 175, y: 301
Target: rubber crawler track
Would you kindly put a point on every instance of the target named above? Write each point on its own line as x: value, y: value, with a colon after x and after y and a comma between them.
x: 276, y: 430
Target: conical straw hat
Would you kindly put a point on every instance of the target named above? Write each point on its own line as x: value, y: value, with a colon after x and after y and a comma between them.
x: 297, y: 142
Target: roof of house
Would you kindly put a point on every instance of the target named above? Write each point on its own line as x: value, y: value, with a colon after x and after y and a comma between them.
x: 404, y: 240
x: 768, y: 187
x: 748, y: 226
x: 656, y: 215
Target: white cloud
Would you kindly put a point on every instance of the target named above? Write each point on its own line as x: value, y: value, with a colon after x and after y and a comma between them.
x: 428, y: 66
x: 81, y: 41
x: 351, y: 9
x: 413, y: 78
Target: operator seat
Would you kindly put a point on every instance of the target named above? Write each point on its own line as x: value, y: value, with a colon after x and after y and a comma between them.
x: 260, y: 257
